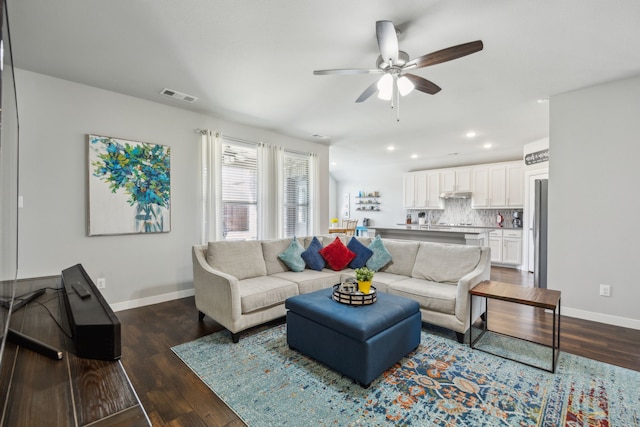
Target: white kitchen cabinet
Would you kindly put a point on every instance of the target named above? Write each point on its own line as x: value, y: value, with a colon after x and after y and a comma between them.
x: 422, y: 190
x: 495, y: 243
x: 497, y: 186
x: 512, y: 247
x: 433, y: 200
x: 409, y: 190
x: 420, y: 179
x: 515, y: 185
x: 480, y: 187
x: 506, y: 246
x: 456, y: 179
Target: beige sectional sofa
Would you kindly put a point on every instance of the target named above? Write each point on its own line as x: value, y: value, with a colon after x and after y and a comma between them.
x: 241, y: 284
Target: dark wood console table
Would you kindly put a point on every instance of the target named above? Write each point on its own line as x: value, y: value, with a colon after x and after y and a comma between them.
x: 39, y: 391
x: 534, y: 297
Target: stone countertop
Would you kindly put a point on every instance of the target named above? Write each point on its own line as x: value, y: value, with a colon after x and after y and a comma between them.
x: 436, y: 227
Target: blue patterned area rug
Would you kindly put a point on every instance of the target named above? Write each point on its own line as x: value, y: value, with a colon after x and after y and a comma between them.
x: 441, y: 383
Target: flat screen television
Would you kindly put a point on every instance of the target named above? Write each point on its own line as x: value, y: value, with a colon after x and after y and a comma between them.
x: 9, y: 149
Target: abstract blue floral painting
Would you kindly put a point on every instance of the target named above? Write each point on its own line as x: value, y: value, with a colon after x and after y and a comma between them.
x: 129, y: 187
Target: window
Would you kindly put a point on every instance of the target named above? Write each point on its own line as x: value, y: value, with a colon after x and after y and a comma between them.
x: 255, y: 190
x: 239, y: 192
x: 297, y: 210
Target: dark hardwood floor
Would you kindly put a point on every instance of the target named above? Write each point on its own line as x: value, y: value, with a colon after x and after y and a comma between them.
x: 173, y: 396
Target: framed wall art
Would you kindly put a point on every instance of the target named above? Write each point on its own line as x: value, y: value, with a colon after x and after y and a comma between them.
x: 129, y: 187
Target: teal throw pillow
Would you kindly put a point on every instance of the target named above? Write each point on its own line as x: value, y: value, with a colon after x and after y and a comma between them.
x: 292, y: 256
x: 312, y: 255
x: 380, y: 257
x: 362, y: 252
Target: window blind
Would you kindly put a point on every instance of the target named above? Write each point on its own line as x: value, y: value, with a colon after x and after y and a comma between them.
x: 239, y: 192
x: 296, y: 195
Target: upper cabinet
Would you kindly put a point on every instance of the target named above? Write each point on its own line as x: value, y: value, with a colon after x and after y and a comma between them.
x: 433, y: 187
x: 515, y: 185
x: 499, y: 185
x: 480, y: 188
x: 409, y: 190
x: 456, y: 179
x: 422, y: 190
x: 492, y: 186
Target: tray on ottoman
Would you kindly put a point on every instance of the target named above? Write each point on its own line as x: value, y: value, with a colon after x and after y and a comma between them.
x: 354, y: 298
x: 361, y: 342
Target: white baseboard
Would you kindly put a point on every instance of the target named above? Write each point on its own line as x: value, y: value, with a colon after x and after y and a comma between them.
x: 156, y: 299
x: 601, y: 317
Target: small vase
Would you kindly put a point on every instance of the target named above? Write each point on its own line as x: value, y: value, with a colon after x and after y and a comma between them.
x: 364, y: 287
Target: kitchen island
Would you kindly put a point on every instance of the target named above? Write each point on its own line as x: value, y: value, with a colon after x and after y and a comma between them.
x: 474, y: 236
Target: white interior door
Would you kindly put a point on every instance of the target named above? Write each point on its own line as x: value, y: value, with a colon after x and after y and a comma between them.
x: 529, y: 209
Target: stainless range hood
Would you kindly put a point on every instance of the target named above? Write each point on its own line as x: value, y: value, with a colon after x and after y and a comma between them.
x: 456, y: 195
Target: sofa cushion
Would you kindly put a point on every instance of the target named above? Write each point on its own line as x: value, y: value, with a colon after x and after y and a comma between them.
x: 403, y: 256
x: 362, y: 252
x: 431, y: 296
x: 312, y: 257
x: 380, y: 257
x: 271, y: 249
x: 382, y: 280
x: 311, y: 280
x: 241, y: 259
x: 263, y: 292
x: 337, y: 255
x: 292, y: 256
x: 446, y: 263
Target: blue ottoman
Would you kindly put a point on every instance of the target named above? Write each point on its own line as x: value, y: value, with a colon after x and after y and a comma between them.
x: 361, y: 342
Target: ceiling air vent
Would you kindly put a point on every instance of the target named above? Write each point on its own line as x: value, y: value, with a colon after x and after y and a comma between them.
x: 179, y: 95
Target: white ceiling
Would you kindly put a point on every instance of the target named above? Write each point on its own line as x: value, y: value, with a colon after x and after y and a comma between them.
x: 252, y: 62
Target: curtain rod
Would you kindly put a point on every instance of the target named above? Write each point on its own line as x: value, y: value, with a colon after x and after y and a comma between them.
x: 245, y: 141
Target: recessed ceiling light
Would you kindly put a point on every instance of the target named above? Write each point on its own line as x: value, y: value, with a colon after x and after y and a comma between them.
x: 542, y: 100
x: 333, y: 163
x: 414, y: 156
x: 471, y: 134
x: 391, y: 148
x: 487, y: 145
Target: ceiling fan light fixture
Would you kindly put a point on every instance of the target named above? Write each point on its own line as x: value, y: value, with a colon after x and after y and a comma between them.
x: 385, y: 87
x: 405, y: 86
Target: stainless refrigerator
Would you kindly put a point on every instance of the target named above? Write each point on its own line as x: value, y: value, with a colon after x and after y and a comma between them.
x: 540, y: 224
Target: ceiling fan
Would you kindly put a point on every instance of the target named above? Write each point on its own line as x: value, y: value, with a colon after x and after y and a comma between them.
x: 393, y: 64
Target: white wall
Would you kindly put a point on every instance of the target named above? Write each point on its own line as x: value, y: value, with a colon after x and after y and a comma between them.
x: 55, y: 116
x: 388, y: 182
x: 594, y: 200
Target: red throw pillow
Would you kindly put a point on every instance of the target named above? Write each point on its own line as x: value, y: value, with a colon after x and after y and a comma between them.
x: 337, y: 255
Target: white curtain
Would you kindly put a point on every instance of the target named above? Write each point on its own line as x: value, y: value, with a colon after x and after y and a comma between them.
x: 314, y: 194
x: 211, y: 154
x: 270, y: 191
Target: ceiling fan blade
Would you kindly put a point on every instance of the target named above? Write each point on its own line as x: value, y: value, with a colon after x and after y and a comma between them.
x: 387, y: 41
x: 347, y: 71
x: 422, y: 84
x: 444, y: 55
x: 373, y: 88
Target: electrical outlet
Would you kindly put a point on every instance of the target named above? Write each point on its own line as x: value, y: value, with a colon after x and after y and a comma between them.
x: 605, y: 290
x: 102, y: 283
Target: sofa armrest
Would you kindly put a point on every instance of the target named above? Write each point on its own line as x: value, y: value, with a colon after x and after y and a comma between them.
x: 481, y: 273
x: 217, y: 294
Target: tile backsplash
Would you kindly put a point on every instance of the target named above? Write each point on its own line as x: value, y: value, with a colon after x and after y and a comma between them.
x: 458, y: 211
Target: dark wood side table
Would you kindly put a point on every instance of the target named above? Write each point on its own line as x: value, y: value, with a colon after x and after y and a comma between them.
x: 534, y: 297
